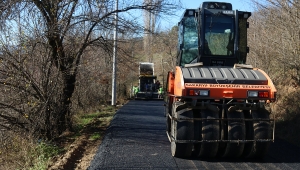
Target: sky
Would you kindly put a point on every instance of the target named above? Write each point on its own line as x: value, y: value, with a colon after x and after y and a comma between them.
x: 241, y: 5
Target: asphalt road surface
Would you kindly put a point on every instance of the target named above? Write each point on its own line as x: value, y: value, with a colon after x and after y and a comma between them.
x: 137, y: 139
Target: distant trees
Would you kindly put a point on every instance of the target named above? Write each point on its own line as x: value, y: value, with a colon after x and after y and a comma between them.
x: 150, y: 24
x: 274, y: 38
x: 51, y: 49
x: 274, y: 41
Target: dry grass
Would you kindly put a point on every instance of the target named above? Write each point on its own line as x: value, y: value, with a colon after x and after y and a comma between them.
x: 21, y: 152
x: 18, y: 151
x: 287, y: 114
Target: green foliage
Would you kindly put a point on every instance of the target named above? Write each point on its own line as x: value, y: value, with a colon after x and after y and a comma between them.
x: 41, y: 154
x: 95, y: 136
x: 104, y: 114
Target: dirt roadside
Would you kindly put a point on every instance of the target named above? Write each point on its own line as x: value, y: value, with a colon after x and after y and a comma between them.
x: 81, y: 150
x: 78, y: 157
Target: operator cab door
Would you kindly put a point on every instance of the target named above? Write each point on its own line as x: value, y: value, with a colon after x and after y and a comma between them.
x: 188, y: 38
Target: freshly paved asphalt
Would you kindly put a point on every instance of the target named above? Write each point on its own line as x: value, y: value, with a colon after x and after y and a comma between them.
x: 137, y: 139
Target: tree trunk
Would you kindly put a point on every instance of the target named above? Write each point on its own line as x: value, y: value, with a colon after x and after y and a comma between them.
x: 64, y: 121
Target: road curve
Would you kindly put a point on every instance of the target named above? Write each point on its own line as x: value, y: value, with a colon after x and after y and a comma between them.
x: 136, y: 139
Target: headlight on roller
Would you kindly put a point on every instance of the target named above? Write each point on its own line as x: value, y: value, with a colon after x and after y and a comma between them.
x: 258, y: 94
x: 203, y: 92
x: 252, y: 93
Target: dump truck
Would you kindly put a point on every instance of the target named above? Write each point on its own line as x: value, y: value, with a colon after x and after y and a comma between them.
x: 147, y: 82
x: 216, y: 103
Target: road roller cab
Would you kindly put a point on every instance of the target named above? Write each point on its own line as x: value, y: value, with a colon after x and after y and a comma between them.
x: 216, y: 102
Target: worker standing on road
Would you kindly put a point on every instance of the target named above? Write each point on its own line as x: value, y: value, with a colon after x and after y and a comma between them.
x: 160, y: 92
x: 157, y: 84
x: 135, y: 90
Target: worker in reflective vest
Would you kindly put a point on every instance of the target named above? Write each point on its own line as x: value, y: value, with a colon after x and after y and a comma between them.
x: 135, y: 90
x: 160, y: 92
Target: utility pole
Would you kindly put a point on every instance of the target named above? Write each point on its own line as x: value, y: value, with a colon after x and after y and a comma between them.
x: 114, y: 74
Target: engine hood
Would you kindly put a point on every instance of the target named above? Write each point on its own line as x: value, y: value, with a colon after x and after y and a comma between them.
x: 223, y: 75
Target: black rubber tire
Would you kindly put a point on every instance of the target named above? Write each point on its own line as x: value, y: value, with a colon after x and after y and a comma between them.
x: 235, y: 131
x: 257, y: 130
x: 166, y: 114
x: 168, y: 111
x: 210, y: 131
x: 168, y: 124
x: 197, y: 132
x: 167, y: 105
x: 249, y: 134
x: 182, y: 130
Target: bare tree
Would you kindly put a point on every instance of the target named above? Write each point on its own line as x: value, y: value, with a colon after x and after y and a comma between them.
x: 150, y: 23
x: 274, y: 42
x: 274, y: 38
x: 39, y: 71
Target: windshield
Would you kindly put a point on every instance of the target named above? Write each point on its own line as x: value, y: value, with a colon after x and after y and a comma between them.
x: 219, y: 35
